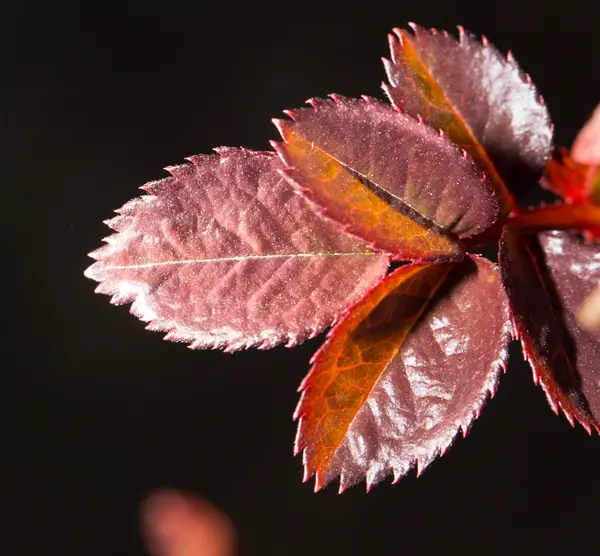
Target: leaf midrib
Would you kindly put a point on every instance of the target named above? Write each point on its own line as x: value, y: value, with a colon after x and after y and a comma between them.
x: 240, y: 258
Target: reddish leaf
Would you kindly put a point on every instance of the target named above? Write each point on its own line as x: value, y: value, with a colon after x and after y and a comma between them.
x: 385, y: 393
x: 225, y: 254
x: 547, y: 279
x: 576, y: 176
x: 479, y: 98
x: 573, y: 181
x: 386, y: 177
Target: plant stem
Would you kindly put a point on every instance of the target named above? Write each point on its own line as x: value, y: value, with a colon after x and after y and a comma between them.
x: 564, y: 216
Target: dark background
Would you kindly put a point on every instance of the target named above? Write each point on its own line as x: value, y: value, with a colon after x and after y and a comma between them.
x: 97, y: 99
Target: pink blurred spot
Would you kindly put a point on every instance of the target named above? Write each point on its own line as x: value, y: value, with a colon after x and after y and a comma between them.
x: 586, y: 148
x: 178, y: 524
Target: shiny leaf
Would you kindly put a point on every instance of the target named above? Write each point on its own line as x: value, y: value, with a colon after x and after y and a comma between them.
x: 225, y: 254
x: 547, y: 278
x: 478, y: 97
x: 386, y: 177
x: 401, y: 374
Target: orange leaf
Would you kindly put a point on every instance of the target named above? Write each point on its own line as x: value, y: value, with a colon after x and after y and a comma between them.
x: 360, y: 348
x: 370, y: 217
x: 478, y: 97
x: 402, y: 374
x: 573, y: 181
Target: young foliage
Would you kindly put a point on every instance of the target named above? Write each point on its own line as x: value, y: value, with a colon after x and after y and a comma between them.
x: 223, y: 254
x: 389, y: 389
x: 478, y: 97
x: 547, y: 277
x: 396, y: 183
x: 241, y: 249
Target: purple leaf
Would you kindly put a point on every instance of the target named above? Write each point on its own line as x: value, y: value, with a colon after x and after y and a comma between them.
x: 224, y: 254
x: 547, y: 279
x: 471, y: 91
x: 386, y: 394
x: 406, y: 164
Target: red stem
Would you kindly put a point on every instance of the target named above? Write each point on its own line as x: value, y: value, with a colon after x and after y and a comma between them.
x: 580, y: 216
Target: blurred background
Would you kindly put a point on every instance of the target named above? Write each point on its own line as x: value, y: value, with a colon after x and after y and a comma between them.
x: 100, y: 413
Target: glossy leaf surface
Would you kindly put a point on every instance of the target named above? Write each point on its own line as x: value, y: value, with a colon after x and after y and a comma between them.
x: 386, y: 177
x: 478, y: 97
x: 401, y: 374
x: 547, y: 278
x: 225, y: 254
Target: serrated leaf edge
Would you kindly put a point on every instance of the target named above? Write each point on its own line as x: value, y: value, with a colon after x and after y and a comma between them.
x: 488, y: 391
x: 316, y: 103
x: 143, y: 313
